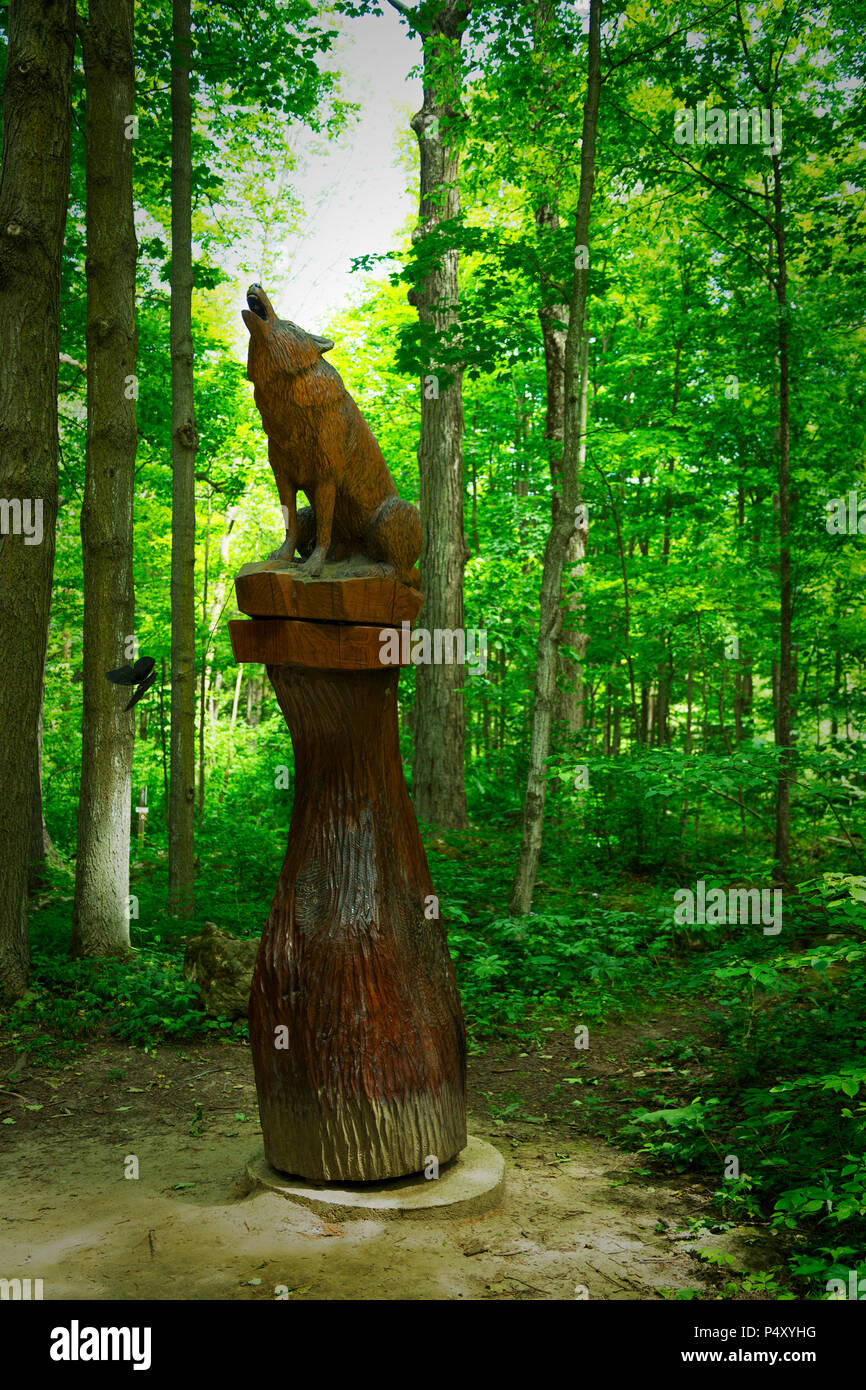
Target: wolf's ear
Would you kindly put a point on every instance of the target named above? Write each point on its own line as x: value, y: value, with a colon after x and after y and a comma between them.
x: 323, y: 344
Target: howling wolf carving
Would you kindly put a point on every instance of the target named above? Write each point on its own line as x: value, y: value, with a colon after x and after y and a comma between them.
x: 320, y: 443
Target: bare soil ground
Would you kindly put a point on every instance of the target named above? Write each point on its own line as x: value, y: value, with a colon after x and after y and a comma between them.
x: 579, y: 1217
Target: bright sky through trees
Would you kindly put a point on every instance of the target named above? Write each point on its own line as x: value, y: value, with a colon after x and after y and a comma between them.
x: 353, y: 191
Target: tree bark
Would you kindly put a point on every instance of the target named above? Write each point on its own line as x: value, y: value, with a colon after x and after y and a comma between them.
x: 34, y: 189
x: 572, y: 685
x: 100, y: 920
x: 554, y: 329
x: 368, y: 1081
x: 42, y: 850
x: 778, y: 277
x: 232, y: 722
x: 210, y: 618
x: 440, y: 720
x: 184, y: 443
x: 786, y: 662
x: 550, y: 623
x: 162, y: 739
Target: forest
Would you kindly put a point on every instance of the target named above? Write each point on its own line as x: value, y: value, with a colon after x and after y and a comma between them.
x: 608, y: 332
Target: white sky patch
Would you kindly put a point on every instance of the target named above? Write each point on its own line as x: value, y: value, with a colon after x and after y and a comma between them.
x: 352, y: 190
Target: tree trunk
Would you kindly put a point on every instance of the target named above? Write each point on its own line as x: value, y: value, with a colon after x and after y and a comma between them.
x: 41, y: 849
x: 440, y: 721
x: 210, y: 618
x: 570, y: 695
x: 723, y: 728
x: 607, y: 722
x: 572, y: 688
x: 645, y: 713
x: 785, y: 673
x: 370, y: 1079
x: 184, y: 442
x: 34, y: 188
x: 748, y: 692
x: 661, y: 713
x: 564, y: 521
x: 37, y: 854
x: 786, y: 665
x: 204, y: 664
x: 162, y: 738
x: 500, y: 723
x: 100, y: 920
x: 356, y: 1030
x: 687, y: 738
x: 553, y: 315
x: 232, y: 722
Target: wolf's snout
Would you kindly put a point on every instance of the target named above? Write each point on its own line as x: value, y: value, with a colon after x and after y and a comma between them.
x: 258, y: 301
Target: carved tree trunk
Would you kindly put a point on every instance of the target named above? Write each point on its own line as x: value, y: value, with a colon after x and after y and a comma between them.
x: 34, y: 188
x: 100, y: 922
x: 356, y: 1029
x: 369, y: 1082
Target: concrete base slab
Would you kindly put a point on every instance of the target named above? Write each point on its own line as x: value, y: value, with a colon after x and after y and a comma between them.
x: 470, y: 1185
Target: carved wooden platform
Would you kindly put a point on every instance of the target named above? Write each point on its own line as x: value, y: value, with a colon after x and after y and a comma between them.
x: 274, y: 589
x: 323, y: 646
x: 356, y: 1029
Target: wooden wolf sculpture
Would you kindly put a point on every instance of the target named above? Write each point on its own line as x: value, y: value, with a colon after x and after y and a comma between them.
x: 319, y: 441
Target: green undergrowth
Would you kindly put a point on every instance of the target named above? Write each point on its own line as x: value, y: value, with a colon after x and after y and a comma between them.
x: 780, y: 1120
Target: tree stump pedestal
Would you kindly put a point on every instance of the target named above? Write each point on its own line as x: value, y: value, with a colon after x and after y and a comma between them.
x: 356, y: 1029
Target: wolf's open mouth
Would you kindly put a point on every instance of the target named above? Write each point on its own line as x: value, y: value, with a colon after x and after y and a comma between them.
x: 256, y: 305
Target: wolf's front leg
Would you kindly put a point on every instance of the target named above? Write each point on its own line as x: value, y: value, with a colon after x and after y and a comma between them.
x: 289, y: 502
x: 323, y: 506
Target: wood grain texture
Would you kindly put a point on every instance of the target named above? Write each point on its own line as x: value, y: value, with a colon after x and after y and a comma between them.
x: 319, y: 442
x: 372, y: 1080
x: 324, y: 646
x: 272, y: 589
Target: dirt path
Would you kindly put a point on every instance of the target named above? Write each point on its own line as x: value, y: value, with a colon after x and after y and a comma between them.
x: 577, y: 1213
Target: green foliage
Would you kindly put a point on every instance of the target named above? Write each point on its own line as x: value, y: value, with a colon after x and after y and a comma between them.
x: 576, y: 968
x: 788, y: 1085
x: 678, y: 599
x: 142, y: 999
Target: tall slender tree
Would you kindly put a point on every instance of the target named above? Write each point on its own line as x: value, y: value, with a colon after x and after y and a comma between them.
x: 34, y: 190
x: 769, y: 86
x: 42, y: 851
x: 184, y: 443
x: 553, y: 316
x: 565, y: 517
x: 440, y: 721
x: 100, y: 924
